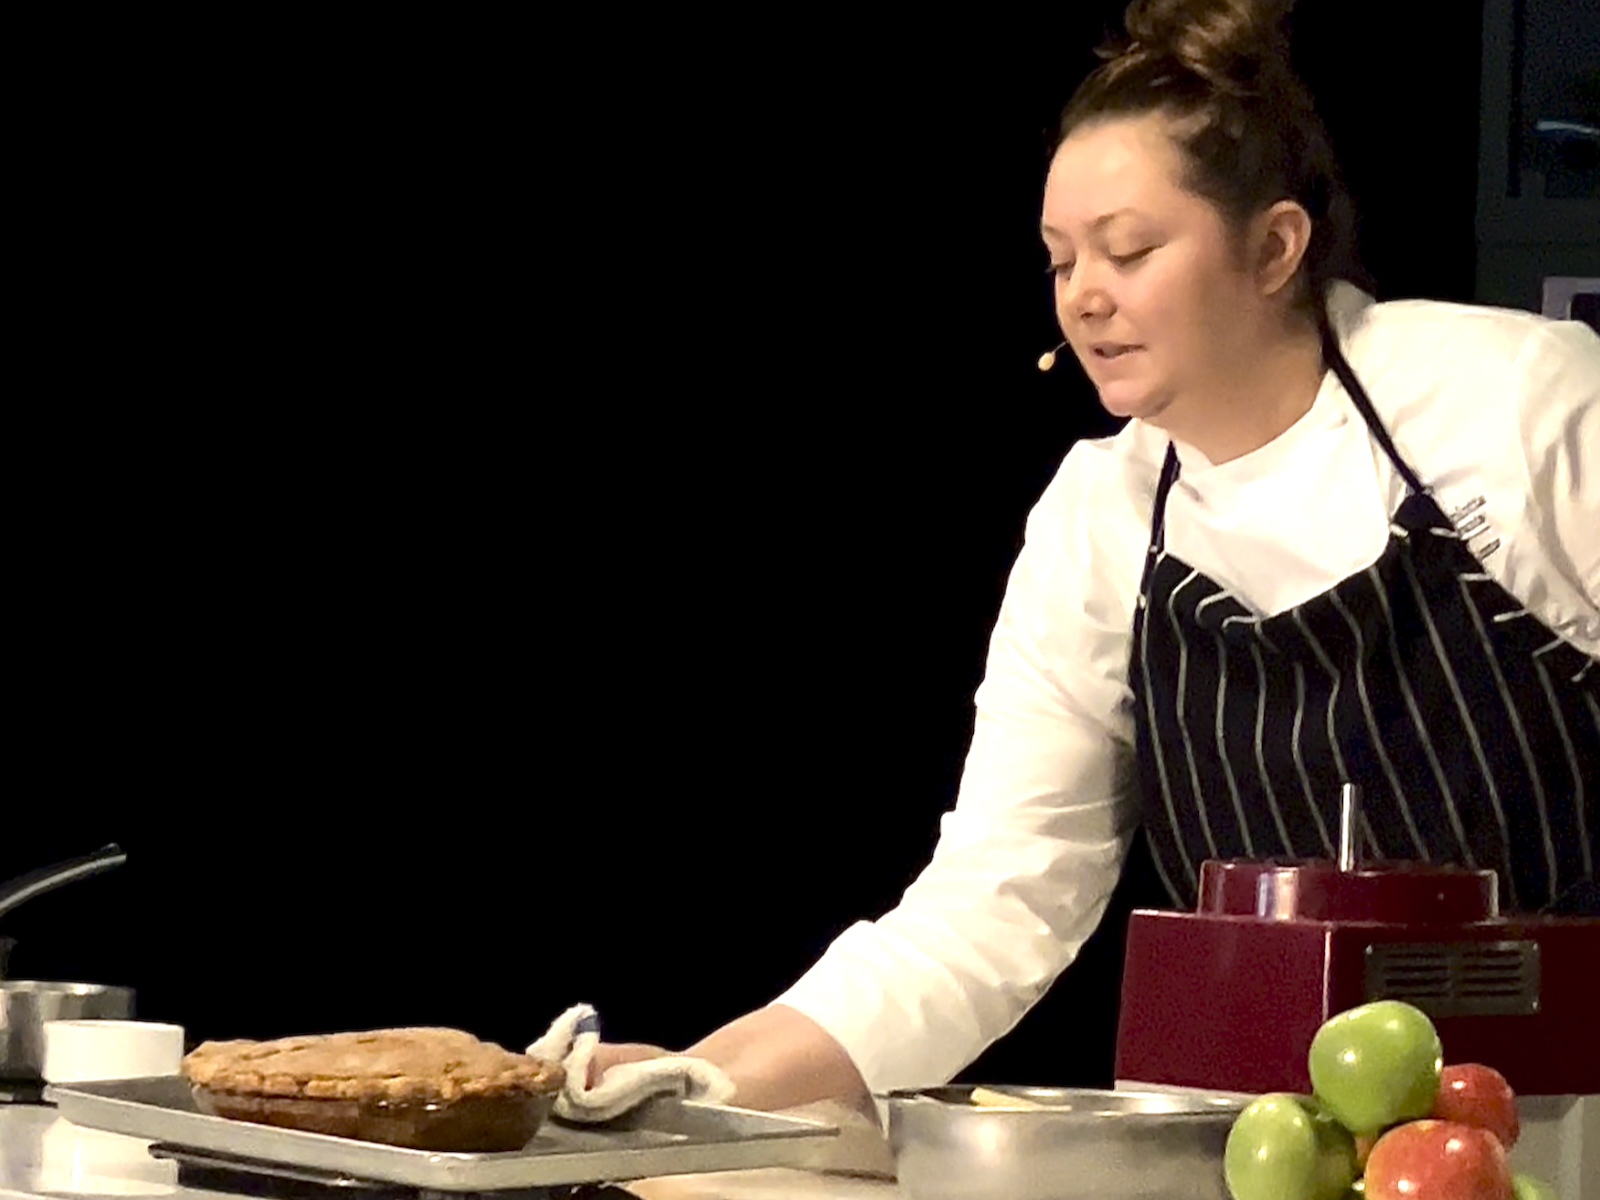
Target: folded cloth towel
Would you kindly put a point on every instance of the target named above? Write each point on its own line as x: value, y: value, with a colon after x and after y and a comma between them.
x: 571, y: 1041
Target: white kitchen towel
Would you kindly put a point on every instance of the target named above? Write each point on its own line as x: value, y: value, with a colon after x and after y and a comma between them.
x: 571, y: 1041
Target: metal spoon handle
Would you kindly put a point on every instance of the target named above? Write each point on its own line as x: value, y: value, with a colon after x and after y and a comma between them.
x: 1349, y: 812
x: 48, y: 878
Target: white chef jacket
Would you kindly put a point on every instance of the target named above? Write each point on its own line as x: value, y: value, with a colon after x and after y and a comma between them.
x: 1485, y: 404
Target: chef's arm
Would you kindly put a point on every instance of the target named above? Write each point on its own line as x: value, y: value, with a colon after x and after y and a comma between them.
x: 1027, y: 858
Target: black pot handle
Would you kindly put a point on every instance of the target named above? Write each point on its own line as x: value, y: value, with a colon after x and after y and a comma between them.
x: 47, y: 879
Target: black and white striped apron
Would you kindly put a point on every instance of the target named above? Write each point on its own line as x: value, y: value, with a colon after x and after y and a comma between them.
x: 1472, y: 730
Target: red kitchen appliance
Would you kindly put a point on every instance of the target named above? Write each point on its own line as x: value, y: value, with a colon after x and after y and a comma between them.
x: 1228, y: 997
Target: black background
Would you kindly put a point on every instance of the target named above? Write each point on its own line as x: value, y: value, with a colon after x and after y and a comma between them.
x: 516, y: 512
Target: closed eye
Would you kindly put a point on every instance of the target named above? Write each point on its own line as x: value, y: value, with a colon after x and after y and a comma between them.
x: 1063, y: 270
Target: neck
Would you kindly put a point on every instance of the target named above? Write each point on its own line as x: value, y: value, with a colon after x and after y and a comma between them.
x: 1265, y: 393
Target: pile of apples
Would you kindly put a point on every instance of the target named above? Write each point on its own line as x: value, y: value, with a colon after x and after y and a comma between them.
x: 1384, y: 1102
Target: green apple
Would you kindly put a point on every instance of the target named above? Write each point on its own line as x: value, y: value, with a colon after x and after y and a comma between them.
x: 1526, y: 1187
x: 1284, y: 1147
x: 1376, y: 1065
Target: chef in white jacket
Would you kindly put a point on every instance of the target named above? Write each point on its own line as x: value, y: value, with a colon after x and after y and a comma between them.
x: 1337, y: 540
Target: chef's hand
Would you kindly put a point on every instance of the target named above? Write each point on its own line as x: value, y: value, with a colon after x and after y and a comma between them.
x: 776, y: 1056
x: 614, y: 1054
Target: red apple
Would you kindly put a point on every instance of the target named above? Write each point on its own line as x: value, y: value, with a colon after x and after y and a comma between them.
x: 1438, y: 1160
x: 1474, y: 1094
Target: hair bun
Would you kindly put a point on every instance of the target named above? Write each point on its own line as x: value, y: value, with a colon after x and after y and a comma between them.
x: 1228, y: 42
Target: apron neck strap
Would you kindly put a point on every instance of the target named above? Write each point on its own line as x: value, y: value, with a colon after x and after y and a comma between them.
x: 1158, y: 517
x: 1335, y: 359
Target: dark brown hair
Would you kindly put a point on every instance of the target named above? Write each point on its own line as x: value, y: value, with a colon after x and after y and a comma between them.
x: 1243, y: 121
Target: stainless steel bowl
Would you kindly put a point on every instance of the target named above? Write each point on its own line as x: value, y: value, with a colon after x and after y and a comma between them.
x: 1077, y: 1142
x: 26, y: 1004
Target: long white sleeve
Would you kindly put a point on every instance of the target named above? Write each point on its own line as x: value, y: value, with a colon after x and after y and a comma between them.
x: 1028, y: 857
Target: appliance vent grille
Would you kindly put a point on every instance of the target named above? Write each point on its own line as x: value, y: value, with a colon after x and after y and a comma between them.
x: 1457, y: 979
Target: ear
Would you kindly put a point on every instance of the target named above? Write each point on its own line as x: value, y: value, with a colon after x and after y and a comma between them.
x: 1282, y: 234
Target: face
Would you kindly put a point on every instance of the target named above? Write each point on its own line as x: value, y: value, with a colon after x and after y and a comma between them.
x: 1148, y: 290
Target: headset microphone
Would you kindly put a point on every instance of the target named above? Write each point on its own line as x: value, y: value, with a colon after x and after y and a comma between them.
x: 1048, y: 358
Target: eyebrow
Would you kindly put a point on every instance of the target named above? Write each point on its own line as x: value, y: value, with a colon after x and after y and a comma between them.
x: 1103, y: 219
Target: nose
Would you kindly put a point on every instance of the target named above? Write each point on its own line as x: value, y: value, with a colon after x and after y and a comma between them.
x: 1083, y: 299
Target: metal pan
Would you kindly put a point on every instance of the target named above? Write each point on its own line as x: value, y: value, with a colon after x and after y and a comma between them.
x: 664, y: 1137
x: 1053, y: 1143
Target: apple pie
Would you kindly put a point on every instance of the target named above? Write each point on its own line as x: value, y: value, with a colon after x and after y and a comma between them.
x: 429, y: 1089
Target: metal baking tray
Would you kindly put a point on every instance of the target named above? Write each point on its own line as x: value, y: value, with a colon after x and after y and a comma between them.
x: 663, y: 1137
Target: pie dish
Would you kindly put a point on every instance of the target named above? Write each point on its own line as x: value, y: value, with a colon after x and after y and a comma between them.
x: 428, y: 1089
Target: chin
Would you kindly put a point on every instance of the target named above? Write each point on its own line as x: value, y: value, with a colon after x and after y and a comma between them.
x: 1122, y: 401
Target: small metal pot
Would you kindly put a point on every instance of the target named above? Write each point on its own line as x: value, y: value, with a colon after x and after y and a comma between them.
x: 26, y: 1004
x: 1060, y: 1143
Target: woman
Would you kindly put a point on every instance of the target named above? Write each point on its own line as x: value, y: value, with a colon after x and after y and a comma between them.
x: 1337, y: 540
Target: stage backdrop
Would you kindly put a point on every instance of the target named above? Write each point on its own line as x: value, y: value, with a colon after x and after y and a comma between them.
x: 519, y: 514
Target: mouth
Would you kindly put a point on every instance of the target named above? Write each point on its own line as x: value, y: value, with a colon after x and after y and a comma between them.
x: 1112, y: 350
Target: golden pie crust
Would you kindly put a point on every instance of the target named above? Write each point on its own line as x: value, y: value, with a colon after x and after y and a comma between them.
x: 433, y: 1089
